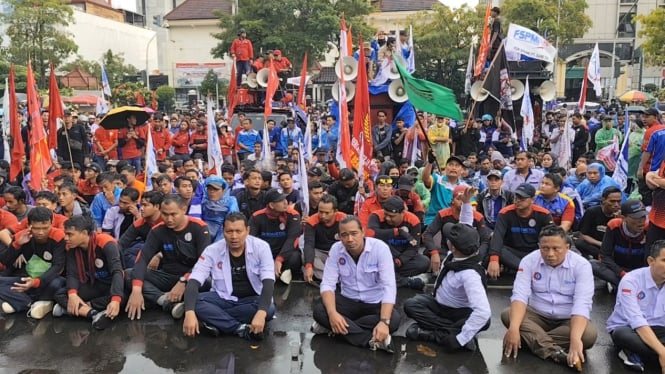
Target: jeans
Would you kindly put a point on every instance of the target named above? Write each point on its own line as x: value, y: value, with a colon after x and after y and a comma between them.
x: 242, y: 67
x: 361, y: 318
x: 228, y: 315
x: 136, y: 163
x: 626, y: 338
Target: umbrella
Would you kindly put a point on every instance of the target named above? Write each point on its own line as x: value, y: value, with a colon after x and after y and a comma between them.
x: 633, y: 95
x: 117, y: 118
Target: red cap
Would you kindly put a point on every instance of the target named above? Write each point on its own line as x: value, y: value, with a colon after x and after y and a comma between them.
x: 276, y: 52
x: 459, y: 191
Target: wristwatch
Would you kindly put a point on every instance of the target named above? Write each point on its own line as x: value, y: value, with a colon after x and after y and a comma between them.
x: 386, y: 321
x: 182, y: 280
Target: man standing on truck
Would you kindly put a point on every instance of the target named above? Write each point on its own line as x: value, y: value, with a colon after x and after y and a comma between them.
x: 242, y: 52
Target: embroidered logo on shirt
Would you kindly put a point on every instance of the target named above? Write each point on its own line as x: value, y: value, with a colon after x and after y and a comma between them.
x: 532, y: 222
x: 188, y: 237
x: 47, y: 256
x: 537, y: 276
x: 342, y: 261
x: 219, y: 265
x: 641, y: 295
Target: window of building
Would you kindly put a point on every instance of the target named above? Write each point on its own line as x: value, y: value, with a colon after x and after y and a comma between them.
x: 626, y: 27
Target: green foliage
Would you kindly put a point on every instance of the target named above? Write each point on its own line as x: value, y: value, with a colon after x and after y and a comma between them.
x: 293, y: 26
x: 128, y: 93
x: 36, y: 32
x: 652, y: 29
x: 208, y: 83
x: 166, y: 97
x: 650, y: 88
x: 541, y: 16
x: 114, y: 64
x: 442, y: 41
x: 20, y: 72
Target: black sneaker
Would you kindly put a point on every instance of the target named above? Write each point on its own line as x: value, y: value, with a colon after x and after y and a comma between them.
x: 245, y: 332
x: 414, y: 332
x: 385, y: 345
x: 417, y: 283
x: 560, y: 357
x: 101, y: 321
x: 209, y: 329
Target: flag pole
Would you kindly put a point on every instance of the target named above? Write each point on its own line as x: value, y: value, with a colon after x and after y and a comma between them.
x: 69, y: 148
x: 473, y: 106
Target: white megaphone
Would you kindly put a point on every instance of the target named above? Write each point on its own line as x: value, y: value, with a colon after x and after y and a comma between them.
x: 350, y: 91
x: 347, y: 65
x: 478, y: 93
x: 516, y: 89
x: 397, y: 92
x: 251, y: 80
x: 394, y: 73
x: 547, y: 91
x: 262, y: 77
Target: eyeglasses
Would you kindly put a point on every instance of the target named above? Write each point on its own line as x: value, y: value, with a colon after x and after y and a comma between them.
x: 581, y: 175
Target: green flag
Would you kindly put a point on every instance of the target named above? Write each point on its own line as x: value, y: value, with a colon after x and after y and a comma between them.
x: 430, y: 97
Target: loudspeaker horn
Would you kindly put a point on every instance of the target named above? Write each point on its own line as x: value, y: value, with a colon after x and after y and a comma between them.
x: 349, y: 66
x: 350, y: 91
x: 394, y: 73
x: 516, y: 89
x: 252, y: 82
x: 548, y: 91
x: 262, y: 77
x: 478, y: 93
x: 396, y: 91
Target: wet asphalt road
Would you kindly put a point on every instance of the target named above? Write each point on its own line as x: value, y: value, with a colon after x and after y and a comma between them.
x: 156, y: 345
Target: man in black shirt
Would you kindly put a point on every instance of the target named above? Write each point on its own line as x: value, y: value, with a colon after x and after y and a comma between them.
x: 398, y: 139
x: 280, y: 226
x: 251, y: 198
x: 243, y: 280
x: 181, y: 240
x: 345, y: 190
x: 495, y: 36
x: 321, y: 232
x: 594, y: 222
x: 581, y: 137
x: 132, y: 240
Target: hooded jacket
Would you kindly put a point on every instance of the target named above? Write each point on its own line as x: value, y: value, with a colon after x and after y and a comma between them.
x: 214, y: 212
x: 591, y: 193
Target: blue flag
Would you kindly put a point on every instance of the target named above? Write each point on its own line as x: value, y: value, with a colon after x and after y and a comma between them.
x: 106, y: 87
x: 621, y: 171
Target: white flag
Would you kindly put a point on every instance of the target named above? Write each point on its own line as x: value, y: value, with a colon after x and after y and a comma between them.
x: 469, y: 72
x: 150, y: 160
x: 411, y: 61
x: 526, y: 111
x: 593, y: 71
x: 215, y: 158
x: 304, y: 188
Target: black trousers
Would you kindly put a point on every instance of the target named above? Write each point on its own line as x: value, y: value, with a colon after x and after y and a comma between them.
x: 442, y: 320
x: 626, y: 338
x: 97, y: 294
x: 360, y: 317
x: 587, y: 249
x: 654, y: 233
x: 417, y: 265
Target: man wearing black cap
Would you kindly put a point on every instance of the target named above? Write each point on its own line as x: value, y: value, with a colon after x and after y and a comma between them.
x: 88, y: 186
x: 242, y: 52
x: 458, y: 309
x: 494, y: 198
x: 653, y: 147
x: 441, y: 186
x: 466, y: 138
x: 345, y: 190
x: 623, y: 248
x: 516, y: 231
x: 460, y: 211
x: 400, y: 229
x: 414, y: 204
x: 280, y: 226
x: 72, y: 138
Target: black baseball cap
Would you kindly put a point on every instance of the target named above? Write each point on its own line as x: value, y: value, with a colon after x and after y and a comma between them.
x: 651, y: 112
x: 634, y: 209
x: 346, y: 174
x: 94, y: 167
x: 405, y: 182
x: 274, y: 196
x: 525, y: 190
x: 314, y: 172
x: 394, y: 204
x: 455, y: 158
x: 464, y: 237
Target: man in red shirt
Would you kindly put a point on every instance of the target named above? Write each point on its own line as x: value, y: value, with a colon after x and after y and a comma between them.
x: 650, y: 117
x: 199, y: 139
x: 161, y: 138
x: 105, y: 145
x: 242, y: 52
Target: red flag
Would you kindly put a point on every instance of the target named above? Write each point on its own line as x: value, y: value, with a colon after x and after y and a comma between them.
x: 18, y: 148
x: 301, y: 100
x: 273, y: 82
x: 55, y: 111
x: 231, y: 95
x: 154, y: 101
x: 582, y: 102
x: 140, y: 100
x: 349, y: 42
x: 40, y: 159
x: 361, y: 141
x: 484, y: 49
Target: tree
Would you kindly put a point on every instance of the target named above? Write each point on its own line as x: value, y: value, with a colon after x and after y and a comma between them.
x: 654, y: 33
x: 130, y: 94
x: 550, y: 18
x: 36, y: 29
x: 208, y: 84
x: 115, y: 67
x: 20, y: 73
x: 166, y: 97
x: 442, y: 40
x: 293, y: 26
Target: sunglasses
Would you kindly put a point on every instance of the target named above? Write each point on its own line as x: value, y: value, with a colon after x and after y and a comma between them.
x: 385, y: 181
